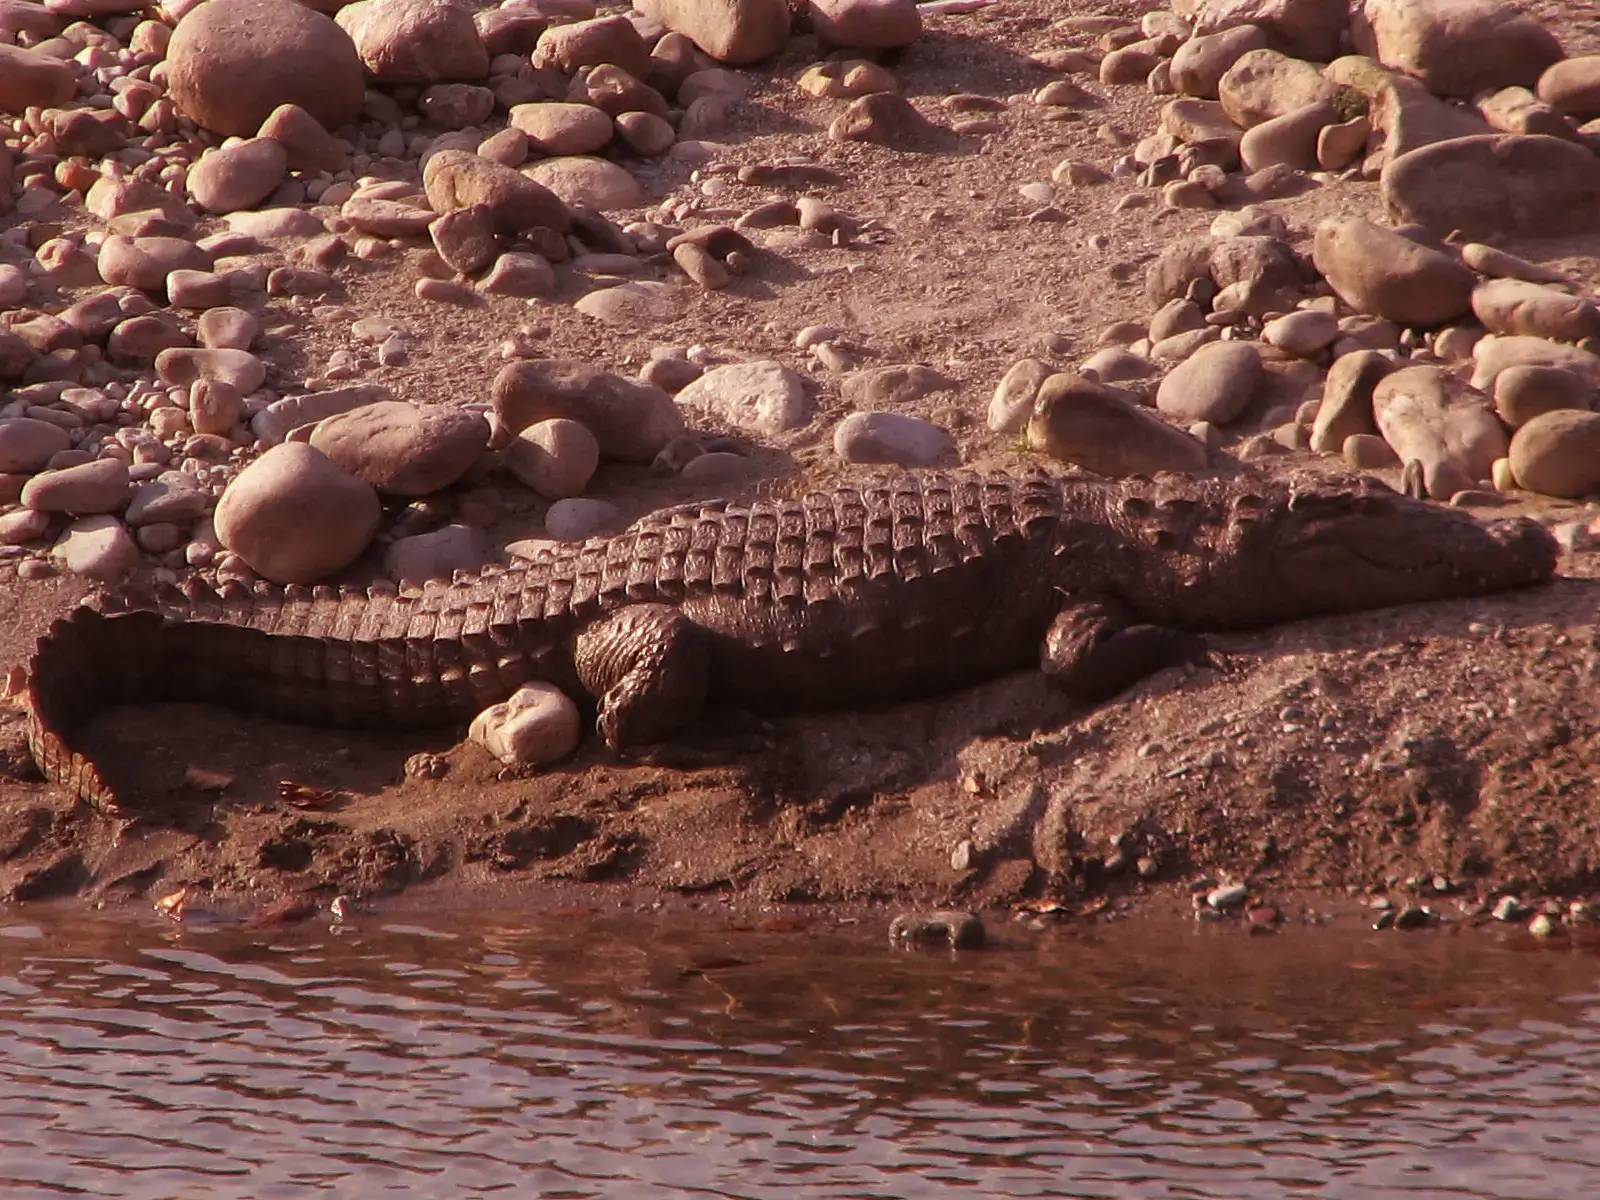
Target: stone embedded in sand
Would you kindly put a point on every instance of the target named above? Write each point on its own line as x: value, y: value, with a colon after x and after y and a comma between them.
x: 238, y: 177
x: 196, y: 290
x: 1496, y: 184
x: 588, y: 182
x: 610, y: 39
x: 456, y: 179
x: 558, y: 128
x: 521, y: 275
x: 1434, y: 418
x: 763, y: 396
x: 637, y: 304
x: 1263, y: 84
x: 29, y: 79
x: 883, y: 118
x: 555, y: 458
x: 539, y: 724
x: 1572, y: 87
x: 1346, y: 406
x: 866, y: 24
x: 578, y: 517
x: 402, y: 449
x: 97, y: 548
x: 1097, y: 427
x: 1202, y: 61
x: 1513, y: 306
x: 631, y: 420
x: 231, y: 62
x: 730, y: 31
x: 295, y: 517
x: 1378, y: 271
x: 415, y: 41
x: 1456, y: 47
x: 893, y: 386
x: 890, y: 437
x: 1558, y: 454
x: 1214, y: 384
x: 465, y: 239
x: 100, y: 486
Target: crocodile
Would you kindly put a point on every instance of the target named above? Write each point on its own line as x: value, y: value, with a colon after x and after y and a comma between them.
x: 868, y: 593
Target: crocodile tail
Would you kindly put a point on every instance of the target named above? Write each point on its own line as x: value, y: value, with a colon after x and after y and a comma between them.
x: 86, y: 662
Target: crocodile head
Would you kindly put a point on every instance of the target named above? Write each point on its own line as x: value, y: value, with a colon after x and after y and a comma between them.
x: 1339, y: 545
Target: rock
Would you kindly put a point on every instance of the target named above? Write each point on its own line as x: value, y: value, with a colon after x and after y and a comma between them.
x: 730, y: 31
x: 866, y: 24
x: 1304, y: 333
x: 1558, y: 454
x: 638, y: 304
x: 1431, y: 417
x: 456, y: 105
x: 239, y: 176
x: 539, y: 724
x: 97, y: 548
x: 1517, y: 110
x: 295, y: 517
x: 1264, y: 84
x: 510, y: 30
x: 1346, y: 406
x: 1456, y: 47
x: 402, y: 449
x: 631, y: 420
x: 437, y: 554
x: 555, y: 127
x: 215, y: 407
x: 523, y: 275
x: 588, y: 182
x: 26, y: 444
x: 646, y: 134
x: 386, y: 218
x: 764, y: 396
x: 884, y: 118
x: 578, y: 44
x: 577, y: 518
x: 887, y: 437
x: 1341, y: 144
x: 29, y: 79
x: 456, y: 179
x: 893, y: 386
x: 1096, y: 427
x: 951, y: 930
x: 1369, y: 452
x: 555, y: 458
x: 307, y: 144
x: 613, y: 91
x: 1378, y: 271
x: 146, y: 262
x: 1116, y: 365
x: 1512, y: 306
x: 1290, y: 140
x: 1488, y: 260
x: 1493, y: 354
x: 1571, y: 87
x: 1309, y: 29
x: 1013, y: 398
x: 1496, y: 185
x: 465, y: 239
x: 228, y: 329
x: 172, y: 498
x: 100, y: 486
x: 1523, y: 393
x: 1200, y: 63
x: 1202, y: 122
x: 1215, y: 384
x: 231, y: 62
x: 181, y: 366
x: 415, y: 41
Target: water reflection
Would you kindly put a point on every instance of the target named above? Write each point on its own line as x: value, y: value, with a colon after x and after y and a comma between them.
x: 479, y: 1055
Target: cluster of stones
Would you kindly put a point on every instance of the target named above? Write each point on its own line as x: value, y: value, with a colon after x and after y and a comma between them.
x: 172, y: 176
x: 1414, y: 346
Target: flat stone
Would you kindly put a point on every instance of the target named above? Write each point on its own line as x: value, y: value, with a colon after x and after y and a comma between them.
x: 763, y: 396
x: 181, y: 366
x: 95, y: 487
x: 457, y: 179
x: 288, y: 413
x: 518, y: 274
x: 1263, y: 84
x: 893, y: 386
x: 1572, y: 87
x: 238, y: 177
x: 1200, y: 63
x: 1494, y: 354
x: 97, y: 548
x: 558, y: 128
x: 637, y: 304
x: 1304, y: 333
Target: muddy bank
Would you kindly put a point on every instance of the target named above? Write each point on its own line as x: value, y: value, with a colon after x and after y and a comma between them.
x: 1438, y: 754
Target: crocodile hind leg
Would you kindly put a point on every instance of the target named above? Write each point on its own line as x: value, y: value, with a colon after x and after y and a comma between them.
x: 1095, y: 648
x: 647, y: 666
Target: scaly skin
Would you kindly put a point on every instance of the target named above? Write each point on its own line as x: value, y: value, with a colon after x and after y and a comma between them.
x: 894, y: 588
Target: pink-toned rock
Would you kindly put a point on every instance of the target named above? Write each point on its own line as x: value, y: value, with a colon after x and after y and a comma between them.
x: 29, y: 79
x: 402, y: 449
x: 456, y: 105
x: 231, y: 62
x: 415, y: 41
x: 518, y: 274
x: 1202, y: 61
x: 1430, y: 416
x: 27, y: 444
x: 1456, y: 47
x: 1378, y: 271
x: 146, y: 262
x: 866, y: 24
x: 590, y: 182
x: 456, y: 179
x: 111, y: 197
x: 182, y: 366
x: 238, y: 177
x: 645, y: 133
x: 1310, y: 29
x: 589, y: 43
x: 215, y: 406
x: 386, y: 218
x: 1496, y: 184
x: 140, y: 340
x: 510, y: 30
x: 1289, y: 140
x: 97, y: 548
x: 1264, y: 84
x: 613, y: 91
x: 731, y: 31
x: 100, y: 486
x: 195, y: 290
x: 308, y: 145
x: 295, y: 517
x: 559, y: 128
x: 1572, y: 87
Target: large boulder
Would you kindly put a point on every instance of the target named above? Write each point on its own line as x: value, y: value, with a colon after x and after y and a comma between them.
x: 1378, y: 271
x: 415, y: 41
x: 1496, y: 184
x: 231, y: 62
x: 731, y: 31
x: 295, y: 517
x: 1456, y: 47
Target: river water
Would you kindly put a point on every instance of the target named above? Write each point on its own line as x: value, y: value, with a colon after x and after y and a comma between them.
x: 573, y: 1055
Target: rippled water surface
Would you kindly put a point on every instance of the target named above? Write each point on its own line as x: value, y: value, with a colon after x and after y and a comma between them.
x: 467, y: 1055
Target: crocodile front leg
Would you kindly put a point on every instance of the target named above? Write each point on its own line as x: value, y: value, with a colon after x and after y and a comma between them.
x: 1095, y: 648
x: 647, y: 666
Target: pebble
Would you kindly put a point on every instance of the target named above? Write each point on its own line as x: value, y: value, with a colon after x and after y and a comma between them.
x: 436, y: 554
x: 98, y: 548
x: 888, y: 437
x: 95, y: 487
x: 538, y: 724
x: 403, y: 449
x: 1227, y: 896
x: 555, y: 458
x: 763, y: 396
x: 575, y: 518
